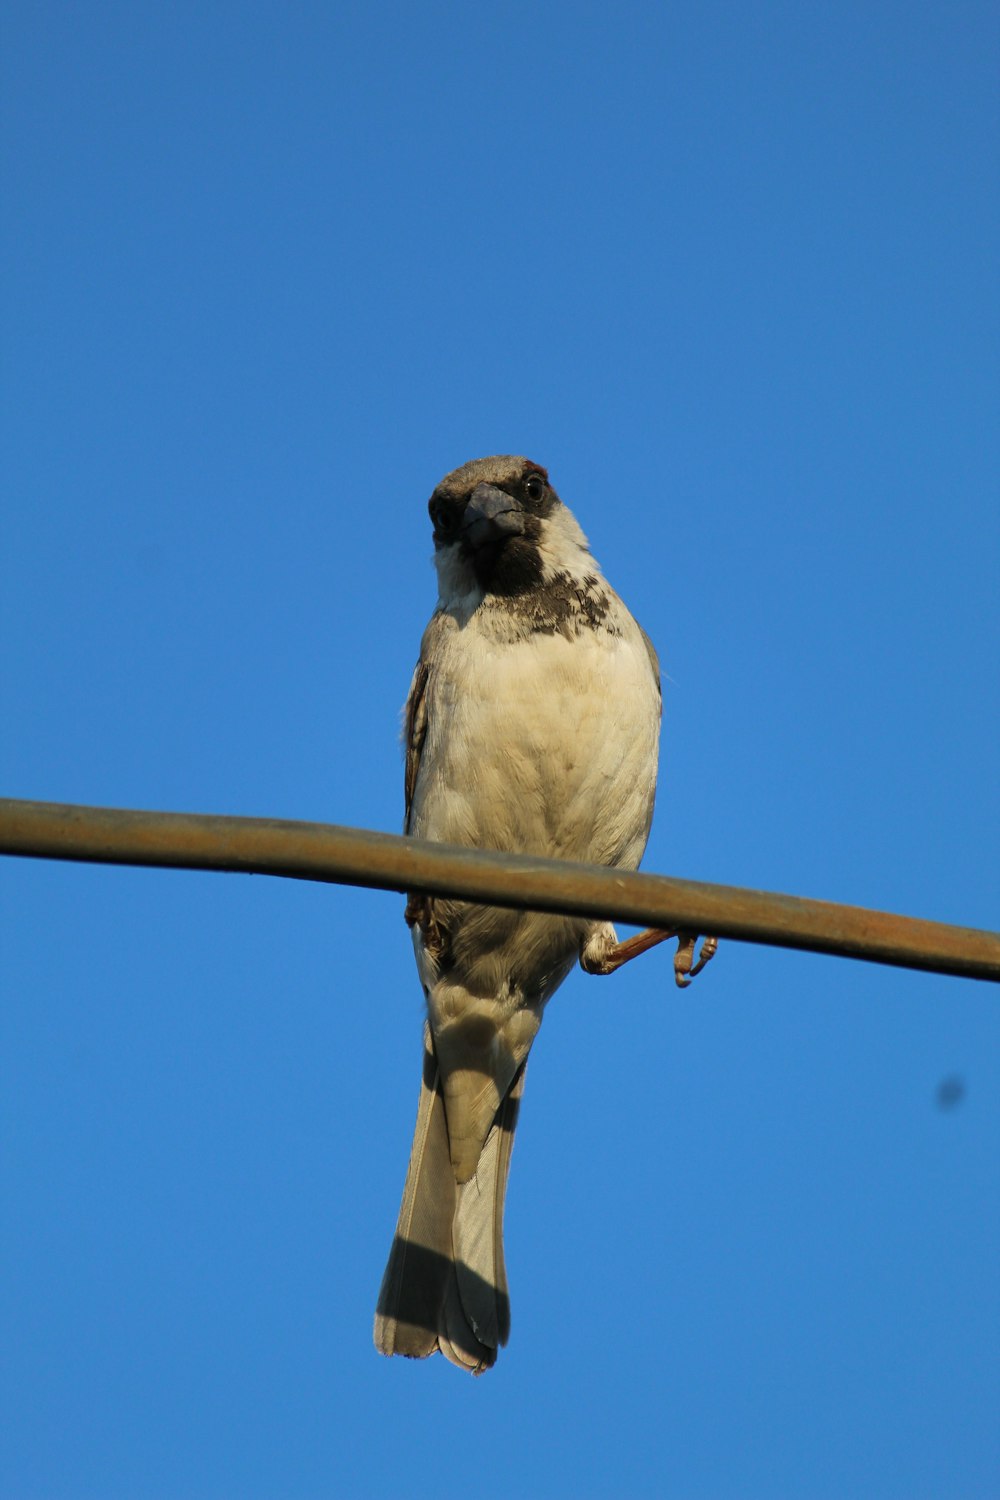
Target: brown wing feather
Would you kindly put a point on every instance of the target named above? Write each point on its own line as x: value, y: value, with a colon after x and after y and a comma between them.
x: 416, y: 733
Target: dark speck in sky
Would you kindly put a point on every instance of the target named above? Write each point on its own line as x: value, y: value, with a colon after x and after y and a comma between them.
x: 950, y: 1091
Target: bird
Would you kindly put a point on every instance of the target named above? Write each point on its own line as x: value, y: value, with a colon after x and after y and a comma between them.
x: 531, y: 726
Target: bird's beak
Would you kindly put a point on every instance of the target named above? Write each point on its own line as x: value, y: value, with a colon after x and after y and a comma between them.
x: 491, y: 516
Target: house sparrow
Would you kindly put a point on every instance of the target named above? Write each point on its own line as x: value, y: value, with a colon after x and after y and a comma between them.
x: 532, y: 726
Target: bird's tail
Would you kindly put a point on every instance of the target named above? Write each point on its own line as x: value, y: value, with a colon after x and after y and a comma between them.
x: 445, y: 1286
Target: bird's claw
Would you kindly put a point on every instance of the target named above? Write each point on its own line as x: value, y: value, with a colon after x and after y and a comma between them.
x: 685, y: 966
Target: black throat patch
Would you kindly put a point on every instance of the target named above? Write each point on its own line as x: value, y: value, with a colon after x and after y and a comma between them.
x: 561, y: 605
x: 512, y: 567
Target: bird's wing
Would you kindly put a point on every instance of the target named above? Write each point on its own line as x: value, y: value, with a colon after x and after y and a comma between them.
x: 415, y: 731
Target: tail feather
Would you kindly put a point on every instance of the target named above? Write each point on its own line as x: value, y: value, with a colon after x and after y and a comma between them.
x: 445, y: 1285
x: 415, y: 1277
x: 478, y: 1230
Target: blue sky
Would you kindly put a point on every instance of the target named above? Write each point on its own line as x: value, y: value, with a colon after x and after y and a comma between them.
x: 268, y: 272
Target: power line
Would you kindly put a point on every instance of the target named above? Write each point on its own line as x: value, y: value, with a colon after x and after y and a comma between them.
x: 354, y: 856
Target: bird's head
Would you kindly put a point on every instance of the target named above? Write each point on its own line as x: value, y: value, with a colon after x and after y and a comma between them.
x: 497, y: 523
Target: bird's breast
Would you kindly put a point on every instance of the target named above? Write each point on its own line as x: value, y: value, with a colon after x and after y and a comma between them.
x: 546, y: 745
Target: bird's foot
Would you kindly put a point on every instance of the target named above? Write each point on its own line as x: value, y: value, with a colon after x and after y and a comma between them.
x: 684, y: 968
x: 602, y: 953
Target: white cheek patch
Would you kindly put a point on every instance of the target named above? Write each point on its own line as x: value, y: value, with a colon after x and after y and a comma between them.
x: 457, y: 586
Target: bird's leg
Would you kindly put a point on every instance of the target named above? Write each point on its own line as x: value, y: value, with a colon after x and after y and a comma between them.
x: 420, y: 913
x: 603, y: 954
x: 418, y: 909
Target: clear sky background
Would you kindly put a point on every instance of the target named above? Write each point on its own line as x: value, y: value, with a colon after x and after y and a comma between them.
x: 730, y: 272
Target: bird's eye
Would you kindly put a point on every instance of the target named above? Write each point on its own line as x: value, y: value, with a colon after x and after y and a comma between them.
x: 442, y: 517
x: 534, y: 487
